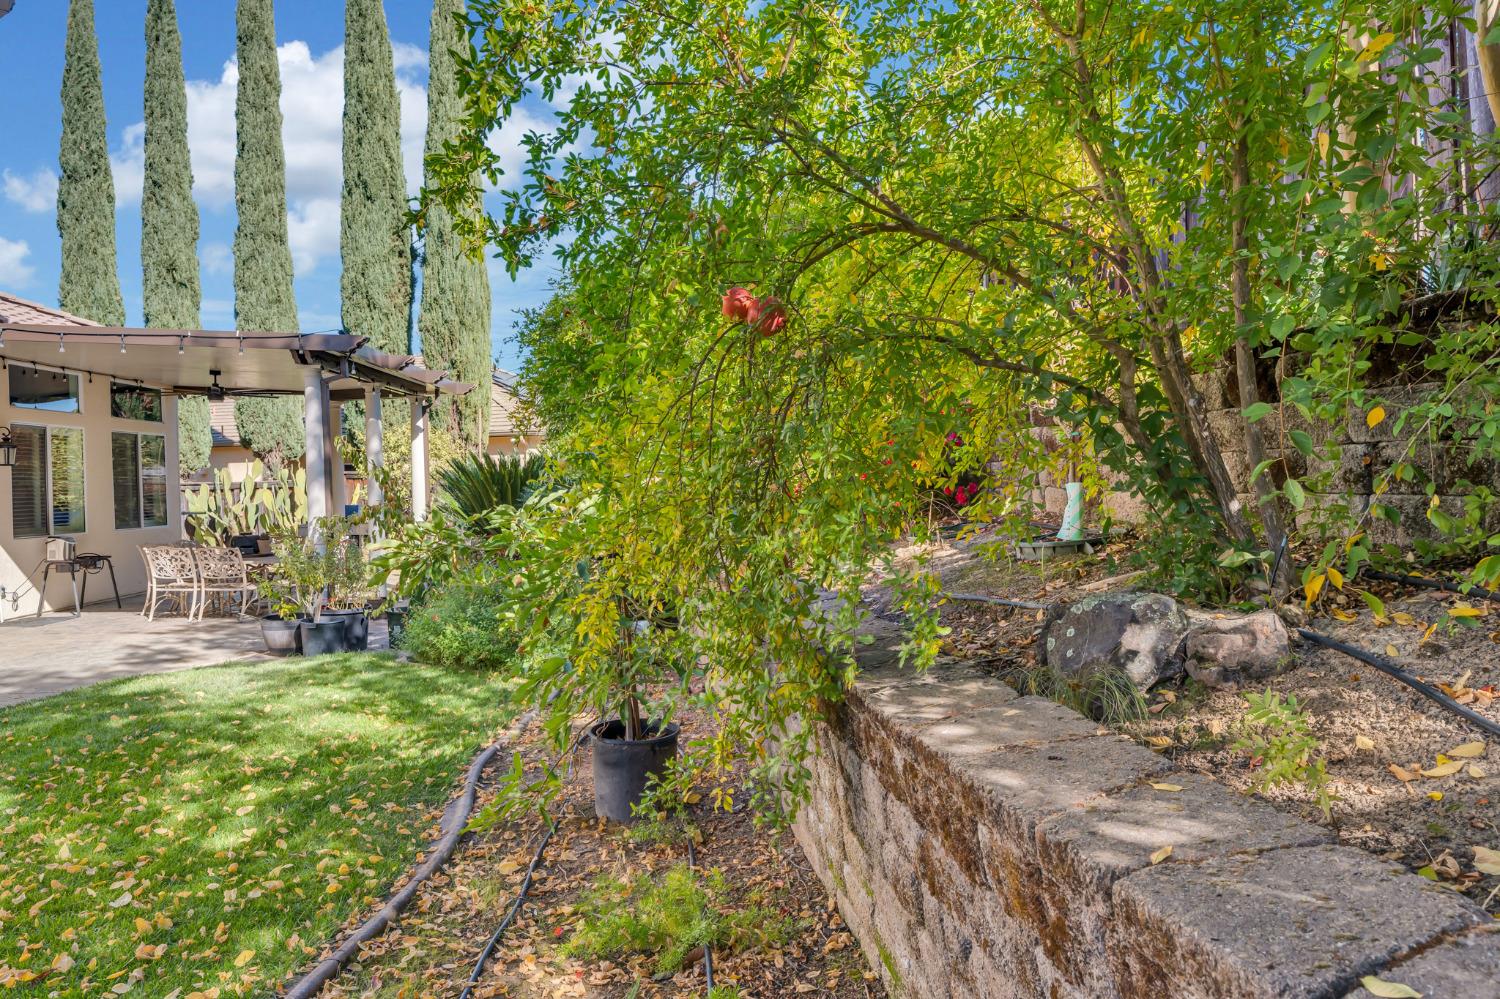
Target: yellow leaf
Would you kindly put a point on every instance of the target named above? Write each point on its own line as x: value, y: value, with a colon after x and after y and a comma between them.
x: 692, y: 797
x: 1477, y: 772
x: 1435, y: 795
x: 1363, y: 742
x: 1464, y: 610
x: 1444, y: 769
x: 141, y: 926
x: 1468, y: 750
x: 1343, y: 615
x: 1486, y: 861
x: 1159, y: 741
x: 1167, y: 787
x: 1403, y: 618
x: 1313, y: 587
x: 1374, y: 417
x: 1323, y: 145
x: 1161, y: 854
x: 244, y: 958
x: 62, y: 962
x: 1389, y: 990
x: 1391, y: 650
x: 508, y: 867
x: 1377, y: 45
x: 1336, y: 578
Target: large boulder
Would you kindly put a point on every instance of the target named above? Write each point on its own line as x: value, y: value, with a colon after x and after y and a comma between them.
x: 1233, y: 650
x: 1140, y: 633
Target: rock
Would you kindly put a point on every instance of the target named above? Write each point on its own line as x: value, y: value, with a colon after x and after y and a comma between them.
x: 1232, y: 651
x: 1140, y: 633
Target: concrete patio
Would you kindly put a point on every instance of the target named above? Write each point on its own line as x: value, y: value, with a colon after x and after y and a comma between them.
x: 57, y: 651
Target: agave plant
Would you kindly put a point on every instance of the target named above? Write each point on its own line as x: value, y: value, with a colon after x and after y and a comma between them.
x: 476, y: 484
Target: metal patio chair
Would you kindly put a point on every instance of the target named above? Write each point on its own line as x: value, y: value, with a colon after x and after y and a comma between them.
x: 171, y: 574
x: 222, y: 573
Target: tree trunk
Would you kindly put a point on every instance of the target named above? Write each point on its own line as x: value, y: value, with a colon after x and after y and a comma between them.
x: 1244, y: 357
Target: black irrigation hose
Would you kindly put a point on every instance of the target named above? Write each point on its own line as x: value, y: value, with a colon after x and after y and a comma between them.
x: 455, y: 821
x: 489, y: 948
x: 1391, y: 669
x: 980, y: 598
x: 1431, y: 584
x: 708, y: 951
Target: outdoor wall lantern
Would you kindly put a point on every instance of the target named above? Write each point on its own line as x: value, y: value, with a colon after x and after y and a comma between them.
x: 7, y: 449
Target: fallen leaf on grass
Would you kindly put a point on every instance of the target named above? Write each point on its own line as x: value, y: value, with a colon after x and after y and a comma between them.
x: 244, y: 958
x: 1389, y: 990
x: 1161, y: 854
x: 1167, y: 787
x: 1468, y: 749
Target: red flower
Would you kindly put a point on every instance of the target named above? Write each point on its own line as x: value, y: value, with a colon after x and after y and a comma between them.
x: 737, y: 304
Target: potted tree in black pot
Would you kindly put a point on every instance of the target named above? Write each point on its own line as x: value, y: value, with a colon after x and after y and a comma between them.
x: 349, y: 594
x: 300, y: 579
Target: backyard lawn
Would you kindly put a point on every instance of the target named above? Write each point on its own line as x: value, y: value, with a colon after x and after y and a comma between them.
x: 206, y: 831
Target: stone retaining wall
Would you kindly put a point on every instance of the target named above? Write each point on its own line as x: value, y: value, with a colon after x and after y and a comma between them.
x: 985, y: 844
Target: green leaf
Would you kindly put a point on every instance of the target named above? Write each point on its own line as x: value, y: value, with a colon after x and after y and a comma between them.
x: 1258, y: 412
x: 1302, y: 441
x: 1294, y: 493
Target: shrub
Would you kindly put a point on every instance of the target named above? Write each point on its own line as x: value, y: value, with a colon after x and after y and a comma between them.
x: 460, y: 625
x: 1278, y: 733
x: 476, y: 484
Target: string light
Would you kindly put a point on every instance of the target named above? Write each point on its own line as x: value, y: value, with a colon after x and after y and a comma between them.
x: 122, y: 343
x: 180, y: 342
x: 242, y: 345
x: 60, y: 347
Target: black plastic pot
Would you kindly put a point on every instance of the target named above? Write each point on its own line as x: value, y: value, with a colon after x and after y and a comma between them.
x: 323, y: 637
x: 395, y: 623
x: 282, y: 637
x: 622, y: 767
x: 356, y: 628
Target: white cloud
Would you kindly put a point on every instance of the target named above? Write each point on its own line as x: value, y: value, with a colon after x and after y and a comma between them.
x: 313, y: 231
x: 15, y: 272
x: 217, y: 258
x: 37, y: 193
x: 128, y: 164
x: 312, y: 109
x: 508, y: 143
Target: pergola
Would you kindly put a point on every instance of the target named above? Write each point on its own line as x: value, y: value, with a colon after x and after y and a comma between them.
x: 325, y: 369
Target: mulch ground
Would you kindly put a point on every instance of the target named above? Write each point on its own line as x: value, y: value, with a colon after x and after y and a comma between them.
x: 1389, y: 751
x: 432, y: 952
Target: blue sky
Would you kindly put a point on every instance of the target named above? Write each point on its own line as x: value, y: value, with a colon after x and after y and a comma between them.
x: 309, y: 37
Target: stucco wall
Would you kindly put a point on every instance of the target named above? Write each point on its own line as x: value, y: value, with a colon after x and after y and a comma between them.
x: 20, y: 556
x: 984, y: 844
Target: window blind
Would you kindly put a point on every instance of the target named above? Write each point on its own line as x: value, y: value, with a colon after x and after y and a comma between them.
x: 28, y: 489
x: 125, y: 478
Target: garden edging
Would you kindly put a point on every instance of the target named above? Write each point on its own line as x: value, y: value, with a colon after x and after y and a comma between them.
x: 984, y: 843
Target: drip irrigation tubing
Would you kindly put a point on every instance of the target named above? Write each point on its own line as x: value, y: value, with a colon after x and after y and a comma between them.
x: 455, y: 821
x: 980, y: 598
x: 515, y: 907
x: 1431, y: 584
x: 708, y: 950
x: 1396, y: 672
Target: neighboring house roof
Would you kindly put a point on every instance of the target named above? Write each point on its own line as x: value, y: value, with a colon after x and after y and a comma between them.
x: 504, y: 403
x: 221, y: 424
x: 14, y: 309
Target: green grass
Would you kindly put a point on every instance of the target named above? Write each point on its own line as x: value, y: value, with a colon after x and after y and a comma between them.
x: 232, y: 816
x: 670, y: 915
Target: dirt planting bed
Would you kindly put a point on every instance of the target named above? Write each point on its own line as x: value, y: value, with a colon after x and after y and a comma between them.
x: 1403, y: 793
x: 792, y: 944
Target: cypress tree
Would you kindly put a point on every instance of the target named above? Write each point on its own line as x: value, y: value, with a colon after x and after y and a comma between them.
x: 374, y: 238
x: 169, y: 218
x: 264, y: 300
x: 455, y: 317
x: 89, y: 285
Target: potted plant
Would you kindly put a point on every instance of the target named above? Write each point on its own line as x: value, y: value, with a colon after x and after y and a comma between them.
x: 280, y: 628
x: 632, y: 748
x: 300, y: 580
x: 349, y: 594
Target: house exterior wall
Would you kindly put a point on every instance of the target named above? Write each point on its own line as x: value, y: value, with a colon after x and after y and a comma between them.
x: 19, y: 557
x: 512, y: 444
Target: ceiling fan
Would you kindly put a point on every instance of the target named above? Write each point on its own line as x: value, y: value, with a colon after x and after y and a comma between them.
x: 218, y: 393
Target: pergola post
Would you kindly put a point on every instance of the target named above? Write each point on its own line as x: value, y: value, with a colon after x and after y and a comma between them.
x: 318, y: 417
x: 374, y: 448
x: 337, y: 489
x: 419, y: 408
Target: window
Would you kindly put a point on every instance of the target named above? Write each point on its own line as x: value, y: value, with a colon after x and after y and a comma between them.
x: 47, y: 482
x: 39, y: 388
x: 140, y: 480
x: 131, y: 402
